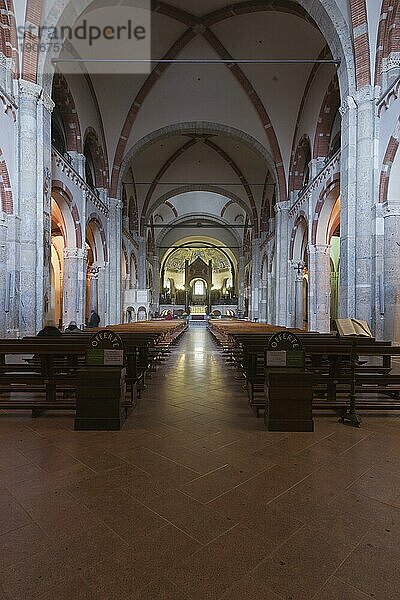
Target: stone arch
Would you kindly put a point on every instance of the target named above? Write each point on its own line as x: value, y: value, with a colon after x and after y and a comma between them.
x: 388, y: 160
x: 63, y: 98
x: 91, y: 141
x: 299, y: 231
x: 99, y: 237
x: 6, y: 195
x: 68, y: 207
x: 323, y: 210
x: 301, y: 159
x: 194, y: 128
x: 329, y: 108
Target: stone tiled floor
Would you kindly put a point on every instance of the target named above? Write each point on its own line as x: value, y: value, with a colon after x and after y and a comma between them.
x: 193, y: 500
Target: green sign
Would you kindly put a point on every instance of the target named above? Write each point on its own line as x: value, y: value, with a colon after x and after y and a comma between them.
x: 95, y: 357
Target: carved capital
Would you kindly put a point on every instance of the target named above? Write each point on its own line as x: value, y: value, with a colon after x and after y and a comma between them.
x: 77, y: 253
x: 29, y: 91
x: 47, y: 102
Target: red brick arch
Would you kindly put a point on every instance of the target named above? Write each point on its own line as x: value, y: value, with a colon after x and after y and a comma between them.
x: 66, y: 194
x: 64, y: 100
x: 8, y: 34
x: 94, y: 218
x: 97, y: 152
x: 388, y: 35
x: 303, y: 151
x: 359, y: 21
x: 329, y: 108
x: 331, y: 184
x: 302, y: 218
x: 6, y: 196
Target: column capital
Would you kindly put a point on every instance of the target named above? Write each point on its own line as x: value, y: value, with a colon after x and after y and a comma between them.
x: 74, y: 253
x: 319, y: 248
x: 47, y: 102
x: 391, y: 209
x: 29, y: 90
x: 282, y: 206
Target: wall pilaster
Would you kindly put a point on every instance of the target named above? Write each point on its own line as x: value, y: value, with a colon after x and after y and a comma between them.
x: 391, y: 275
x: 74, y: 286
x: 282, y: 263
x: 319, y: 288
x: 114, y: 229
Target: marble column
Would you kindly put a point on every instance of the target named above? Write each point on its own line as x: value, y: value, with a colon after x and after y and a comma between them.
x: 282, y: 263
x: 31, y: 284
x: 114, y: 229
x: 93, y: 276
x: 156, y: 283
x: 74, y: 286
x: 391, y: 275
x: 263, y: 294
x: 270, y: 318
x: 141, y: 264
x: 357, y: 191
x: 13, y: 268
x: 319, y: 288
x: 34, y: 172
x: 298, y: 298
x: 240, y: 283
x: 255, y: 280
x: 4, y: 276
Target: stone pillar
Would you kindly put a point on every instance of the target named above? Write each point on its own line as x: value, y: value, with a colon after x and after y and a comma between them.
x: 270, y: 318
x: 13, y: 269
x: 4, y: 276
x: 282, y: 263
x: 254, y: 308
x: 141, y: 264
x: 391, y: 277
x: 74, y: 286
x: 240, y: 283
x: 114, y: 229
x: 298, y: 297
x: 31, y: 231
x: 156, y: 282
x: 357, y: 191
x: 93, y: 276
x: 34, y: 160
x: 319, y: 288
x: 263, y: 294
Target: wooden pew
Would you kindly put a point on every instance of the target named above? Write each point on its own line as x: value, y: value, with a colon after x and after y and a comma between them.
x: 54, y: 370
x: 340, y: 377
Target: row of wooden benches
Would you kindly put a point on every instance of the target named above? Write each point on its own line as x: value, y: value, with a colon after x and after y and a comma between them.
x: 39, y: 373
x: 349, y: 373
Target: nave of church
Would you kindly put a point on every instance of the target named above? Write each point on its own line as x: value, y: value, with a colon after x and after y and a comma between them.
x: 179, y: 181
x: 194, y: 500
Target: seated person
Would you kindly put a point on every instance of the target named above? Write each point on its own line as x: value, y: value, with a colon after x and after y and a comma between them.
x: 49, y: 330
x: 72, y: 328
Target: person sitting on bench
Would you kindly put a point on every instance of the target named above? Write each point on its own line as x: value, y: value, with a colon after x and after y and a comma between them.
x: 49, y: 330
x: 72, y: 328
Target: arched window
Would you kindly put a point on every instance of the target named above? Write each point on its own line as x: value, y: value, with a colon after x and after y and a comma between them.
x: 199, y: 288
